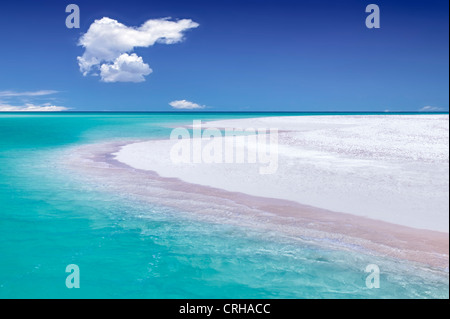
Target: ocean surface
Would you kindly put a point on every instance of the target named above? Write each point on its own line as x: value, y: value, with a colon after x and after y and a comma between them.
x: 125, y: 248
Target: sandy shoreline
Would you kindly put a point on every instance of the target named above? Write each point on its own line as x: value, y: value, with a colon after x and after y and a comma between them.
x: 343, y: 231
x: 389, y: 168
x: 283, y: 216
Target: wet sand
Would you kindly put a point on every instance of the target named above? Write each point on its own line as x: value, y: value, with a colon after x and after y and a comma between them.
x: 271, y: 215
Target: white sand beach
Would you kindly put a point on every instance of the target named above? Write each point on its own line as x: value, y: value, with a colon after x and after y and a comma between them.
x: 391, y: 168
x: 374, y: 184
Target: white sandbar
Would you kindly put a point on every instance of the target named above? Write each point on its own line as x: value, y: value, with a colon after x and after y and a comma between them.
x: 393, y: 168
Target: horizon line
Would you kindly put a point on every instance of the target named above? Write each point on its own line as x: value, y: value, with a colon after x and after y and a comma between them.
x: 248, y: 112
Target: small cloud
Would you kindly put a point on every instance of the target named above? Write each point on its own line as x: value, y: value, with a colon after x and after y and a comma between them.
x: 28, y: 101
x: 47, y: 107
x: 107, y: 45
x: 431, y: 109
x: 25, y: 94
x: 185, y: 105
x: 126, y: 68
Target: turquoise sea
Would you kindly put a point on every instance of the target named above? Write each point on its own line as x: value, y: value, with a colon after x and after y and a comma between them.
x: 128, y: 249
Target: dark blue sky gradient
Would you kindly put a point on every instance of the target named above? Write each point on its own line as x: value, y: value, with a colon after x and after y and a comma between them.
x: 244, y: 56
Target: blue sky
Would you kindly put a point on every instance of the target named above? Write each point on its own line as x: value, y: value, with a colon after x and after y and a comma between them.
x: 243, y: 56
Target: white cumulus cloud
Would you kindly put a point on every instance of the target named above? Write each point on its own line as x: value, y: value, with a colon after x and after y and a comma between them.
x: 185, y: 105
x: 126, y: 68
x: 108, y: 43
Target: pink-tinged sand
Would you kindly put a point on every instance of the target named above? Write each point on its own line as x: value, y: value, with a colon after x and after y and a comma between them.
x: 279, y: 216
x: 392, y: 168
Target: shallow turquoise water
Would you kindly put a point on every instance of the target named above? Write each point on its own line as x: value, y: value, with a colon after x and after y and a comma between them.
x: 129, y: 249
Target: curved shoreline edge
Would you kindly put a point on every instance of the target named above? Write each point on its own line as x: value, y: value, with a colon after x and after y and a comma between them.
x: 390, y: 168
x: 292, y: 219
